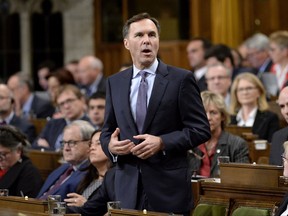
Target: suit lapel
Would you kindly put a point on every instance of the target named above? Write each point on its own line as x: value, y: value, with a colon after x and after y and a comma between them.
x: 124, y: 97
x: 159, y: 87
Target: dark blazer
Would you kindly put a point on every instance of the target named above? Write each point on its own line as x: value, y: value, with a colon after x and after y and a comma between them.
x: 202, y: 84
x: 52, y: 130
x: 283, y: 205
x: 68, y: 186
x: 23, y: 176
x: 265, y: 124
x: 176, y: 114
x: 102, y: 85
x: 277, y: 149
x: 228, y: 145
x: 42, y: 108
x: 96, y: 205
x: 24, y: 126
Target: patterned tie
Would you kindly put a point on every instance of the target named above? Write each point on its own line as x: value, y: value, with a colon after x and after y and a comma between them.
x: 141, y: 106
x: 58, y: 183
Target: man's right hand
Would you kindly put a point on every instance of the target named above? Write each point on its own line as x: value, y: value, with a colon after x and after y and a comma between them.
x: 119, y: 147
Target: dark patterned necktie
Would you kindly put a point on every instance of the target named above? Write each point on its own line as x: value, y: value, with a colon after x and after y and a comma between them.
x: 58, y: 183
x: 141, y: 105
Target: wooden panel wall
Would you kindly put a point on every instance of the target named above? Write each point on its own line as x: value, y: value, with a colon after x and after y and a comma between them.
x: 253, y: 16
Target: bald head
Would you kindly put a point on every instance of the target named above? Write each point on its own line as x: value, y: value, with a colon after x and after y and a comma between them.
x: 283, y: 102
x: 6, y: 101
x: 89, y: 68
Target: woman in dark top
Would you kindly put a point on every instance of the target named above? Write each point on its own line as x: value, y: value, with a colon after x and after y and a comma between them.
x: 249, y: 106
x: 17, y: 173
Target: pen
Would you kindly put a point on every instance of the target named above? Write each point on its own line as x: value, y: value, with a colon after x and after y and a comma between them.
x: 22, y: 194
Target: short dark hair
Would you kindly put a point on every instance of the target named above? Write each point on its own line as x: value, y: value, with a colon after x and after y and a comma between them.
x: 137, y: 18
x: 97, y: 95
x: 221, y: 52
x: 206, y: 43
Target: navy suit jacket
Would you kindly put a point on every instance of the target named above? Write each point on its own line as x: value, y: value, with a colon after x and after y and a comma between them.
x: 42, y: 108
x: 277, y: 149
x: 68, y: 186
x: 176, y: 114
x: 266, y: 123
x: 52, y: 130
x: 24, y: 126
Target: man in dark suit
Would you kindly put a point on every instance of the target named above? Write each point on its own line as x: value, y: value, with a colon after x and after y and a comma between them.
x: 71, y: 103
x: 195, y: 53
x: 90, y: 72
x: 150, y: 151
x: 280, y: 136
x: 75, y: 145
x: 7, y: 115
x: 28, y: 104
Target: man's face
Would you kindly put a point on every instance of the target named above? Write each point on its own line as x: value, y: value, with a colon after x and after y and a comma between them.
x: 86, y: 75
x: 218, y: 80
x: 77, y: 152
x: 96, y: 111
x: 143, y: 43
x: 18, y: 90
x: 5, y: 100
x: 42, y: 77
x: 283, y: 103
x: 70, y: 106
x: 256, y: 57
x: 195, y: 54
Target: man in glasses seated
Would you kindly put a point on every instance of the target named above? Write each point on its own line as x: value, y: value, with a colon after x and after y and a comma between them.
x: 75, y: 148
x: 71, y: 103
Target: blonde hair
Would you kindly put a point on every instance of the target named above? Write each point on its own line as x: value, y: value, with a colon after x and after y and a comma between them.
x: 280, y: 38
x: 217, y: 100
x: 261, y: 102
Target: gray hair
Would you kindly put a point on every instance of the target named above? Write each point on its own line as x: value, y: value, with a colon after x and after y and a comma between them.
x: 86, y: 128
x: 228, y: 70
x: 258, y: 41
x: 95, y: 63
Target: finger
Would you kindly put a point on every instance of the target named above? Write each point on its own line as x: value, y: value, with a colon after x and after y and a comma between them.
x: 116, y: 132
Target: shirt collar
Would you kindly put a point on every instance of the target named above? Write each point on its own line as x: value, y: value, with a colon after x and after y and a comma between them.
x: 27, y: 105
x: 152, y: 69
x: 252, y: 115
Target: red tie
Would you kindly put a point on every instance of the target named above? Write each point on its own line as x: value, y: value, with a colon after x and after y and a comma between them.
x: 58, y: 183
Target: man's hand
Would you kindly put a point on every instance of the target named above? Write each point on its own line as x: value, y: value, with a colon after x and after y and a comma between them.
x: 150, y: 146
x: 119, y: 147
x: 43, y: 143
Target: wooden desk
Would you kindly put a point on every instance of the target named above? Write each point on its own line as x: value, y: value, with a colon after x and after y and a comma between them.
x: 45, y: 161
x: 130, y: 212
x: 20, y: 203
x: 15, y: 206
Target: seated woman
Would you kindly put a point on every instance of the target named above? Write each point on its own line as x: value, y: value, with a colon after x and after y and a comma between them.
x: 17, y: 173
x: 94, y: 177
x: 203, y: 158
x: 283, y: 209
x: 250, y: 108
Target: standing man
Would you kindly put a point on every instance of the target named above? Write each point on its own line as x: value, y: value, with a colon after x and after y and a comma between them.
x: 150, y: 151
x: 196, y: 53
x: 280, y: 136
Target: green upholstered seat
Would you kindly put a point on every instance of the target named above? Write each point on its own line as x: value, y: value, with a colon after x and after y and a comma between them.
x: 204, y: 209
x: 251, y: 211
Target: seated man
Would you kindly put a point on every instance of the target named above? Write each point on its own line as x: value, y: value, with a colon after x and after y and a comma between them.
x: 75, y: 144
x: 7, y: 115
x: 27, y: 104
x: 71, y: 103
x: 280, y: 136
x: 96, y: 109
x: 283, y: 209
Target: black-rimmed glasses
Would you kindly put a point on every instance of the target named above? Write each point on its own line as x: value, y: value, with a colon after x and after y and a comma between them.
x: 71, y: 143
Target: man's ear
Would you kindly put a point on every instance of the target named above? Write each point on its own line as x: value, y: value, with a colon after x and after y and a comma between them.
x: 126, y: 44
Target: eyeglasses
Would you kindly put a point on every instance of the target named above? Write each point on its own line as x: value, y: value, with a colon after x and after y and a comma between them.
x: 247, y: 89
x: 3, y: 155
x: 68, y: 102
x: 97, y: 142
x: 71, y: 143
x: 216, y: 77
